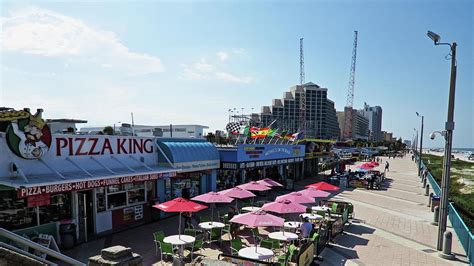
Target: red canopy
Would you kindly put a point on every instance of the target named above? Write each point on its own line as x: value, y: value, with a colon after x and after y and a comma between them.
x: 180, y: 205
x: 323, y: 186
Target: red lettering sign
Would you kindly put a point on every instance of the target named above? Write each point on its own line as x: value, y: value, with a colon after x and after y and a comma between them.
x: 89, y: 184
x: 39, y: 200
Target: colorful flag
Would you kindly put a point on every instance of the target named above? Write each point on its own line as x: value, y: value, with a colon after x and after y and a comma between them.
x: 244, y: 131
x: 263, y: 132
x: 288, y: 136
x: 273, y: 133
x: 254, y: 132
x: 295, y: 136
x: 233, y: 128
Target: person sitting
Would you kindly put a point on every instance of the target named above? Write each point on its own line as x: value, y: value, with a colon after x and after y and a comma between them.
x: 306, y: 228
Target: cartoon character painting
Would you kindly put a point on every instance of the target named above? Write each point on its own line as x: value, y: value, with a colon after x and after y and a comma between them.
x: 28, y: 136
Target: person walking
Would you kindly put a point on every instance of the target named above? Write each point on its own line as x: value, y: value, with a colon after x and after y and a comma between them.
x: 387, y: 166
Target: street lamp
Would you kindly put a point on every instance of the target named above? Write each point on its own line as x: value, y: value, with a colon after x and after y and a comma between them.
x: 448, y: 135
x: 421, y: 144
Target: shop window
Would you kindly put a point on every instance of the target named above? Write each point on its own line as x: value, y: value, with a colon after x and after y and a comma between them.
x: 15, y: 214
x: 135, y: 196
x: 100, y: 196
x: 117, y: 200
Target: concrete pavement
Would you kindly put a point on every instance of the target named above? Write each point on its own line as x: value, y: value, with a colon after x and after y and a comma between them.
x: 391, y: 227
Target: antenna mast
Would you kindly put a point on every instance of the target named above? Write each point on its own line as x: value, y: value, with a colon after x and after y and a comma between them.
x: 347, y: 133
x: 302, y: 115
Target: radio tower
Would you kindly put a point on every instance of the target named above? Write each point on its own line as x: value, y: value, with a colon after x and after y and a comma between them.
x: 302, y: 118
x: 347, y: 133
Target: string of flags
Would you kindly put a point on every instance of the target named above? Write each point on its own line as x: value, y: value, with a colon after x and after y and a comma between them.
x: 255, y: 133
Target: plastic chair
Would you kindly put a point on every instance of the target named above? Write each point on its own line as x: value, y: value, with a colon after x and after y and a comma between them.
x: 287, y: 257
x: 276, y: 245
x: 334, y: 208
x: 322, y: 213
x: 225, y: 219
x: 166, y: 249
x: 266, y: 244
x: 215, y: 235
x: 197, y: 245
x: 158, y: 238
x: 226, y: 229
x: 235, y: 246
x: 190, y: 232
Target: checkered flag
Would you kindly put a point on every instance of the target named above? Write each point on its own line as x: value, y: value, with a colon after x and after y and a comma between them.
x: 233, y: 128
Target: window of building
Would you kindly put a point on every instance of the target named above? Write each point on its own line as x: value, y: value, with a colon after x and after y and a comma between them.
x: 126, y: 194
x: 180, y: 129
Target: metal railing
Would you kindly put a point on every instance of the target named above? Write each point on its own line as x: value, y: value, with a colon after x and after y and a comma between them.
x: 463, y: 232
x: 24, y: 241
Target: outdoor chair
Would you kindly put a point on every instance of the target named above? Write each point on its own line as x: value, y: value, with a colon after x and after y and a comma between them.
x: 190, y: 232
x: 166, y: 249
x: 204, y: 219
x: 266, y: 244
x: 158, y: 238
x: 235, y: 246
x: 226, y: 229
x: 322, y: 213
x: 225, y: 219
x: 197, y: 246
x: 215, y: 235
x: 287, y: 257
x: 334, y: 208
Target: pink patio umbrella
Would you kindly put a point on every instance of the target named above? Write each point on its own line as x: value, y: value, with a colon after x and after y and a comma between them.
x: 296, y: 197
x: 258, y: 219
x: 269, y: 183
x: 284, y: 206
x: 314, y: 193
x: 254, y: 186
x: 213, y: 197
x: 237, y: 193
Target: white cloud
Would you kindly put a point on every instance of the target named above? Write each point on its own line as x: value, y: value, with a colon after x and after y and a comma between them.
x: 202, y: 70
x: 46, y: 33
x: 222, y: 55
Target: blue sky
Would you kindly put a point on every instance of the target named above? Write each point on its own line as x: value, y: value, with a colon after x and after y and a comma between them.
x: 189, y: 62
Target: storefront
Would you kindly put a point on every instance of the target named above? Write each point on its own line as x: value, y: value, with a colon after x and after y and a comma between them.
x: 246, y: 162
x: 98, y: 183
x: 318, y: 154
x: 196, y: 162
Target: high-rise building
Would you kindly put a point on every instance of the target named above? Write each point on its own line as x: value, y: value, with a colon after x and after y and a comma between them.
x: 374, y: 114
x: 321, y: 120
x: 360, y: 124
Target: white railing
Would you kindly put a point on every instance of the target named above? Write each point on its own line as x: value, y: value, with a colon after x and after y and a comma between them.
x: 21, y: 240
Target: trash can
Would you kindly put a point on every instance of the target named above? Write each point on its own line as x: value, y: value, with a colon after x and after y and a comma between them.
x: 434, y: 202
x: 67, y: 233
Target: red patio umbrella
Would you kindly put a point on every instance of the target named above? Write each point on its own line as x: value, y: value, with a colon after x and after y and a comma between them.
x: 180, y: 205
x: 323, y: 186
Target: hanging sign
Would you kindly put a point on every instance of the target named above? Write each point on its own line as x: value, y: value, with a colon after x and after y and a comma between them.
x: 38, y: 200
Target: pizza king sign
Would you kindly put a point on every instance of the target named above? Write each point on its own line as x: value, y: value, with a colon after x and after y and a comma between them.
x: 95, y: 145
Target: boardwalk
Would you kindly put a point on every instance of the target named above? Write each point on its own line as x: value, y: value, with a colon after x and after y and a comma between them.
x: 392, y: 227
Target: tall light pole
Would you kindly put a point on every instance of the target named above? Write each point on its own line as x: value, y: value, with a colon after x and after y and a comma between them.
x: 416, y: 140
x: 421, y: 144
x: 448, y: 135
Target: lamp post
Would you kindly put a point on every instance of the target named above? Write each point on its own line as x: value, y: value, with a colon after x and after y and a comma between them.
x: 448, y: 136
x: 421, y: 144
x: 416, y: 140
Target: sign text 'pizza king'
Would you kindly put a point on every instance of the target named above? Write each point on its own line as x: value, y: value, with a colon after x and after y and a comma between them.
x: 78, y: 146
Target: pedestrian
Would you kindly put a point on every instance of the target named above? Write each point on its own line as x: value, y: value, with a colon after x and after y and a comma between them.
x: 306, y: 228
x: 413, y: 157
x: 387, y: 166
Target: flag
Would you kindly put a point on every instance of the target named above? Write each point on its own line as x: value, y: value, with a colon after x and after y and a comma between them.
x: 254, y: 132
x: 295, y: 136
x: 263, y: 132
x: 273, y: 133
x: 233, y: 128
x: 288, y: 136
x: 244, y: 131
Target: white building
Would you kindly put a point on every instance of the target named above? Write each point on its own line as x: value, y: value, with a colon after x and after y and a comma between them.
x: 175, y: 131
x: 63, y: 125
x: 374, y: 115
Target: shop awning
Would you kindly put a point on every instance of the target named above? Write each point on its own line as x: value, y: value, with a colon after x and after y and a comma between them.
x: 188, y: 154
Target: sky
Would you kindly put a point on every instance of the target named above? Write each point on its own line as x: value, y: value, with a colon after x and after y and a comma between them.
x: 188, y: 62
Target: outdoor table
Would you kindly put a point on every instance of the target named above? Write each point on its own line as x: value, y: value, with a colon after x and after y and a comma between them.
x: 310, y: 216
x: 250, y: 209
x: 179, y: 240
x: 292, y: 225
x: 283, y: 236
x: 320, y: 208
x: 210, y: 225
x: 257, y: 253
